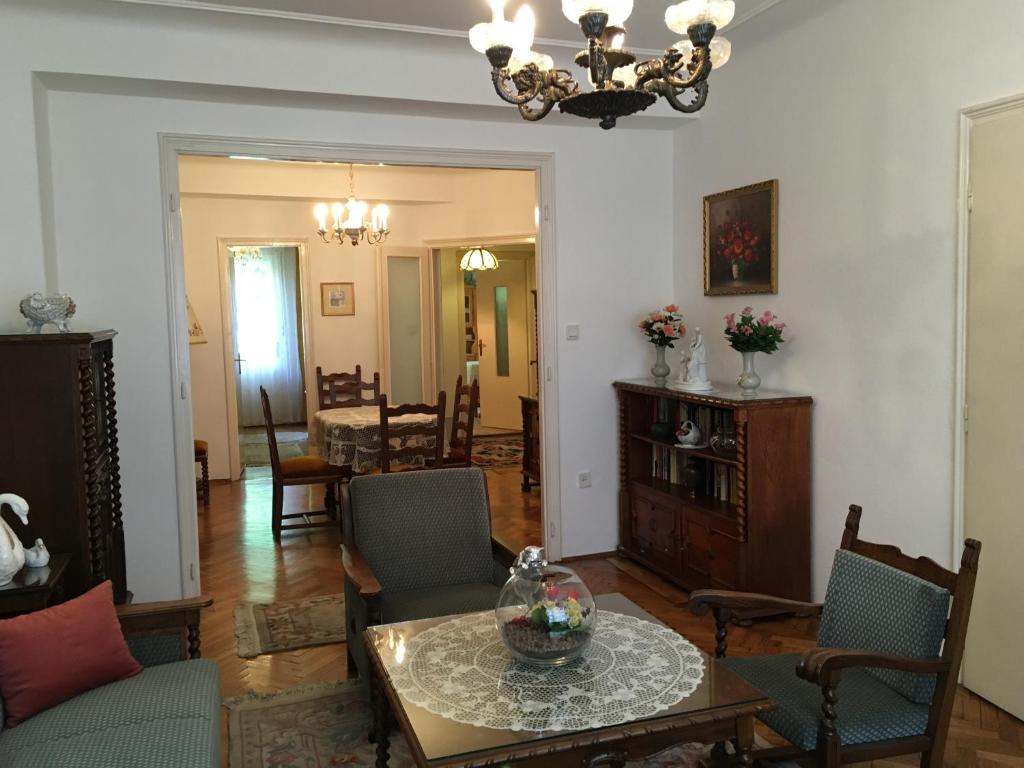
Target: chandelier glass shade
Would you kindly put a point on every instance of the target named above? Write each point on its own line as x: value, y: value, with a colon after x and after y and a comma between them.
x: 348, y: 219
x: 477, y: 260
x: 621, y: 85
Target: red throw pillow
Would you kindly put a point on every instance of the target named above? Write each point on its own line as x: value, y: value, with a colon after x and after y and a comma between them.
x: 53, y: 655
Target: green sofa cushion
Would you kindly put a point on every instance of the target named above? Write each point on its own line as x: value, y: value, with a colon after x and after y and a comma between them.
x: 869, y: 710
x: 166, y: 717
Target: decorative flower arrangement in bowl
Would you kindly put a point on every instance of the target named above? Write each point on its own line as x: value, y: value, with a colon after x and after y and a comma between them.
x: 663, y: 328
x: 748, y: 336
x: 545, y: 613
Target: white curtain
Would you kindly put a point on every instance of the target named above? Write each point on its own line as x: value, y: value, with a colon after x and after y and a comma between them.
x: 265, y: 308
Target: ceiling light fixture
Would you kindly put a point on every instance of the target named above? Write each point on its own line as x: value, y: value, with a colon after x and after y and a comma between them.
x: 621, y: 85
x: 478, y: 260
x: 349, y: 219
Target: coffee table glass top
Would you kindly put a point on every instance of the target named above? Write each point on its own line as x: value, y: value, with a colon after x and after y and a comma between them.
x: 440, y: 738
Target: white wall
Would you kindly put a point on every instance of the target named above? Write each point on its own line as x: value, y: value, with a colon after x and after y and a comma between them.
x: 107, y: 211
x: 853, y: 107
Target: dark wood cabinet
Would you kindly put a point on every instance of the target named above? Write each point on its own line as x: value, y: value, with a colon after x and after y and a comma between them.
x: 531, y: 441
x: 60, y: 451
x: 729, y: 519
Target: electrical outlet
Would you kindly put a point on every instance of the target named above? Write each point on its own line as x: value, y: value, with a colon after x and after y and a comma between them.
x: 572, y: 332
x: 583, y: 479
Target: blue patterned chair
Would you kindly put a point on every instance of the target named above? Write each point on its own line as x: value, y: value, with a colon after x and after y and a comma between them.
x: 417, y: 545
x: 168, y: 715
x: 882, y: 678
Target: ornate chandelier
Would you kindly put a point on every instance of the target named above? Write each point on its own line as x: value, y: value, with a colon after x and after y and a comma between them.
x: 348, y: 219
x: 621, y: 86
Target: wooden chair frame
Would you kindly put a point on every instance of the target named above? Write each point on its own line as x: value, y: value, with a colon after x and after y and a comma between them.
x: 460, y: 442
x: 203, y: 483
x: 824, y: 666
x: 433, y: 457
x: 349, y: 386
x: 181, y: 616
x: 332, y: 479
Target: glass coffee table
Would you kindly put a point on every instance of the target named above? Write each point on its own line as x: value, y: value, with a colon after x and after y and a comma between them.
x: 640, y: 688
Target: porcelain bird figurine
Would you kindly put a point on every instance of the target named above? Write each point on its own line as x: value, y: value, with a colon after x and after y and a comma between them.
x: 37, y: 556
x: 12, y: 553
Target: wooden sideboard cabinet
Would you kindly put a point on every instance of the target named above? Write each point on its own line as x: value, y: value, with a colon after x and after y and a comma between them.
x: 531, y: 441
x: 60, y: 452
x: 736, y: 520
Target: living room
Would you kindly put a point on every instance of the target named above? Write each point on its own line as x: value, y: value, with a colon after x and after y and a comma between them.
x: 868, y: 144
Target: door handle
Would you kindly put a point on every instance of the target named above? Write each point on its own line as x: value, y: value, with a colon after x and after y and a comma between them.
x: 480, y: 347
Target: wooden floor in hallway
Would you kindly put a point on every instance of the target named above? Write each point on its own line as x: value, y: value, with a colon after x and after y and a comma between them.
x: 240, y: 561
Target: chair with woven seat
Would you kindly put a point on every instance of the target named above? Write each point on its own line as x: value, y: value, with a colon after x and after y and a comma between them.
x: 304, y: 470
x: 882, y: 678
x: 201, y: 451
x: 417, y: 545
x: 420, y: 444
x: 345, y: 390
x: 460, y: 443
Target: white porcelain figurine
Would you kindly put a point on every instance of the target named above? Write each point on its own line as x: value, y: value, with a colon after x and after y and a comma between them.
x: 689, y: 436
x: 12, y: 553
x: 37, y: 556
x: 696, y: 366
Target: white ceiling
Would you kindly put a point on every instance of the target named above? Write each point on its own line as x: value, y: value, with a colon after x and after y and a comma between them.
x: 646, y: 27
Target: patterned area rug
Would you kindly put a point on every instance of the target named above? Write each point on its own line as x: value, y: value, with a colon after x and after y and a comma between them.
x: 498, y: 451
x: 325, y: 726
x: 271, y: 627
x: 291, y: 444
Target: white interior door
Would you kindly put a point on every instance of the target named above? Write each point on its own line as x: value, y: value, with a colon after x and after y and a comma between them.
x: 501, y: 297
x: 994, y: 447
x: 406, y: 323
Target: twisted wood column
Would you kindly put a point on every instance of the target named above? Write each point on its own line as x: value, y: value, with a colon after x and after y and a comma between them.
x: 741, y: 475
x: 92, y: 467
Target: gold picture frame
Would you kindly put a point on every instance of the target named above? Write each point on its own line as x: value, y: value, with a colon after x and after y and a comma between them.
x: 741, y: 240
x: 337, y: 299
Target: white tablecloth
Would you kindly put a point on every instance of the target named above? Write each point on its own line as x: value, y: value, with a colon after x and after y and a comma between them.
x: 351, y: 436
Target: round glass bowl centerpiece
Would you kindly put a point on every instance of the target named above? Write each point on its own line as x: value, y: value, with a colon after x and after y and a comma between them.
x: 545, y: 613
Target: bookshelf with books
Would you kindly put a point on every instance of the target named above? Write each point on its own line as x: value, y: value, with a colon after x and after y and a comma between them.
x: 705, y: 518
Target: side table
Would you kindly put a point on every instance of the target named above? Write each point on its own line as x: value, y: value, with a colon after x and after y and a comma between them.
x: 34, y: 588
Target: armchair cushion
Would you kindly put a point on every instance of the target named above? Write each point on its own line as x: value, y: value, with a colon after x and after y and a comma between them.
x: 427, y: 602
x: 876, y: 607
x: 423, y: 529
x: 869, y: 710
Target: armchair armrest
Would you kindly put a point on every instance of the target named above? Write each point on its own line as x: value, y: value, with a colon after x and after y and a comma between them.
x: 739, y: 604
x: 823, y: 666
x: 169, y: 617
x: 359, y: 572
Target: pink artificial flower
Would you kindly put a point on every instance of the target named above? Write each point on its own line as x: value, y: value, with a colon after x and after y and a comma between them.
x: 672, y: 308
x: 767, y: 317
x: 748, y: 330
x: 574, y: 595
x: 552, y: 591
x: 669, y: 330
x: 730, y: 319
x: 780, y: 326
x: 747, y: 311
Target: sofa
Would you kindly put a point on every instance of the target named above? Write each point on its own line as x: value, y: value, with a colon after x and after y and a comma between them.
x: 167, y: 716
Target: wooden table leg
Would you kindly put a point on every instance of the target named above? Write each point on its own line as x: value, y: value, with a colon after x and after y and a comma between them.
x: 744, y: 740
x: 381, y: 723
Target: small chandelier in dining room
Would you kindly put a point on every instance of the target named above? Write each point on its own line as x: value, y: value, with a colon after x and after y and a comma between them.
x: 621, y: 86
x: 478, y: 260
x: 349, y: 219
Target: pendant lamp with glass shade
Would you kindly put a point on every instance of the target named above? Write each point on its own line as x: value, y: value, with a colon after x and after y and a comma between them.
x: 477, y: 260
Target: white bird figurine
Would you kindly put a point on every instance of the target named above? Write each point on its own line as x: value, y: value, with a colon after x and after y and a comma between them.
x: 37, y: 556
x: 12, y: 553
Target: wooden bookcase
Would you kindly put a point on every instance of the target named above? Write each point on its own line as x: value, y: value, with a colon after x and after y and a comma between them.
x: 744, y: 520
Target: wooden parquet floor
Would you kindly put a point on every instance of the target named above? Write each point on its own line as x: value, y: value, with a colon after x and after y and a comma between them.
x: 241, y: 562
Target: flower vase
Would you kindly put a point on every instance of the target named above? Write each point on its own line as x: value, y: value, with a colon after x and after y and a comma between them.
x: 660, y: 371
x: 737, y: 270
x: 749, y: 381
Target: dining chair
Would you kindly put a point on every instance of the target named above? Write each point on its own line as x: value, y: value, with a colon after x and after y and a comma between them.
x: 201, y: 452
x: 460, y: 442
x: 418, y: 441
x: 345, y: 390
x: 882, y: 680
x: 303, y: 470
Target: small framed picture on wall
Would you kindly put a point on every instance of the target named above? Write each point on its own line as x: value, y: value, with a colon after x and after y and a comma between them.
x: 337, y: 299
x: 741, y: 240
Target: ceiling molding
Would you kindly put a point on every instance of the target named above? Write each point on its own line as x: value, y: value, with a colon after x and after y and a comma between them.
x: 757, y: 10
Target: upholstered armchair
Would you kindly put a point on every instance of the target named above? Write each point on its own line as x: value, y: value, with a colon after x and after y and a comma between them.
x: 882, y: 678
x: 417, y: 545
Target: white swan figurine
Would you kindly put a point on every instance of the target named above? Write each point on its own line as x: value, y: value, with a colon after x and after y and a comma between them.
x: 37, y: 556
x: 12, y: 553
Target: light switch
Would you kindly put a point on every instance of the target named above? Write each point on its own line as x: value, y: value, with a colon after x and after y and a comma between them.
x: 572, y: 332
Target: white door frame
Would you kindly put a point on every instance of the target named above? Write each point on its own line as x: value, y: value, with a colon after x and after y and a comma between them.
x: 428, y: 317
x: 227, y: 324
x: 173, y: 145
x: 968, y: 118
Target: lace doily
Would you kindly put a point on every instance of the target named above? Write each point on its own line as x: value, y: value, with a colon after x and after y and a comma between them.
x: 632, y: 669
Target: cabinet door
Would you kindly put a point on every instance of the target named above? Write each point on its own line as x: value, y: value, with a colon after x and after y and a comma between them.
x: 654, y: 531
x: 725, y: 552
x: 696, y: 551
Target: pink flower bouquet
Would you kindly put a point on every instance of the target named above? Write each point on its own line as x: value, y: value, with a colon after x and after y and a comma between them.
x: 750, y: 334
x: 663, y: 327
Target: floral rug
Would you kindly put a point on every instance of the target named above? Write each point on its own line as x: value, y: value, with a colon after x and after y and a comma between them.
x: 325, y: 726
x: 498, y: 451
x: 255, y: 452
x: 271, y: 627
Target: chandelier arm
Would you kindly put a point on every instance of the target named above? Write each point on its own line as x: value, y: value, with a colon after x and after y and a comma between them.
x: 500, y: 78
x: 699, y: 71
x: 672, y: 97
x: 533, y: 115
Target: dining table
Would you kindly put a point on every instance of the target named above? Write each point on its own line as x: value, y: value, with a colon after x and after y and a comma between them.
x: 351, y: 436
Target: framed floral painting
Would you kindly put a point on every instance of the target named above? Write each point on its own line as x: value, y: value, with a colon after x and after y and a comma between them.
x: 741, y: 253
